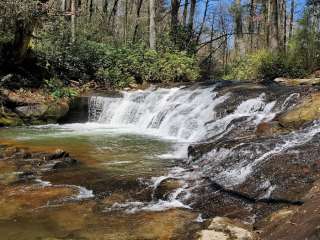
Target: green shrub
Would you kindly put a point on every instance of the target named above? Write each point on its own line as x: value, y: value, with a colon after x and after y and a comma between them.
x: 58, y: 90
x: 264, y: 65
x: 119, y: 66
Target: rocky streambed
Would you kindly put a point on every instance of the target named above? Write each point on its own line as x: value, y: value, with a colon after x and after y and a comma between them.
x: 226, y: 160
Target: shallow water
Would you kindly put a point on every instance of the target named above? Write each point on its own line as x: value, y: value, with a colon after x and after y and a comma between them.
x: 118, y: 173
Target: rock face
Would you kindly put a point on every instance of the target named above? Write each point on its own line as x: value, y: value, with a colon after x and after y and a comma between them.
x: 78, y: 111
x: 222, y: 228
x: 31, y: 111
x: 306, y: 112
x: 266, y: 167
x: 295, y: 223
x: 20, y: 108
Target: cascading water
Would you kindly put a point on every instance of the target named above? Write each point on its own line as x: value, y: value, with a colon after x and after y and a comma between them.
x: 187, y: 116
x: 181, y: 114
x: 170, y: 113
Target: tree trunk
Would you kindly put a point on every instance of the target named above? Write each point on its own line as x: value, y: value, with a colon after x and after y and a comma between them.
x: 111, y: 20
x: 125, y: 25
x: 136, y: 28
x: 284, y: 7
x: 282, y: 24
x: 273, y: 25
x: 22, y: 38
x: 73, y: 20
x: 203, y: 20
x: 193, y: 4
x: 239, y: 45
x: 185, y: 12
x: 251, y: 23
x: 175, y: 5
x: 63, y: 5
x: 105, y: 7
x: 152, y: 34
x: 291, y: 18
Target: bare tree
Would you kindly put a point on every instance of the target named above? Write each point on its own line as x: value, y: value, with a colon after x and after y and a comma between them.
x: 291, y: 18
x: 203, y: 20
x: 239, y: 44
x: 185, y: 12
x: 273, y: 25
x: 136, y: 28
x: 175, y: 5
x: 152, y: 27
x: 193, y: 4
x: 73, y: 20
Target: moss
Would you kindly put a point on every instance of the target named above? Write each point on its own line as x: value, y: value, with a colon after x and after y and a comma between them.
x: 10, y: 121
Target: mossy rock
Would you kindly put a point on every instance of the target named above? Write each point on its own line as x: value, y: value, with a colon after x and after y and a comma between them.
x: 306, y: 112
x: 8, y: 119
x: 56, y: 111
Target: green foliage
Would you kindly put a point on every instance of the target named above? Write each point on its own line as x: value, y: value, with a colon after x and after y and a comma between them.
x: 264, y: 65
x: 58, y: 90
x: 305, y: 44
x: 116, y: 66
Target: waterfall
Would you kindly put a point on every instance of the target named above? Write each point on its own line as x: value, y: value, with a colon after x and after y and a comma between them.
x: 199, y: 115
x: 177, y: 113
x: 223, y: 119
x: 172, y: 113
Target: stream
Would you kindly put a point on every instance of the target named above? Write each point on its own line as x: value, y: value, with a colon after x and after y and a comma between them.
x: 135, y: 180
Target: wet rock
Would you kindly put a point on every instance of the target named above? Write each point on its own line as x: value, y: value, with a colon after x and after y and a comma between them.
x: 306, y: 112
x: 16, y: 200
x: 56, y: 111
x: 78, y: 111
x: 222, y: 228
x: 30, y: 107
x: 74, y: 216
x: 166, y: 187
x: 297, y: 81
x: 67, y: 162
x: 295, y: 223
x: 9, y: 118
x: 59, y: 153
x: 267, y: 129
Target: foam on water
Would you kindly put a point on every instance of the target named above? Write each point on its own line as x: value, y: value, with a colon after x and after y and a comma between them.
x: 255, y: 110
x: 238, y: 173
x: 83, y: 193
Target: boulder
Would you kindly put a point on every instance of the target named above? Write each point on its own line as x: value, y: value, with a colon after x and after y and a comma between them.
x: 305, y: 112
x: 56, y: 111
x: 222, y: 228
x: 31, y: 111
x: 8, y: 118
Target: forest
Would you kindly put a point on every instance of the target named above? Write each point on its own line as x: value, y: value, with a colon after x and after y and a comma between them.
x: 115, y: 43
x: 159, y: 119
